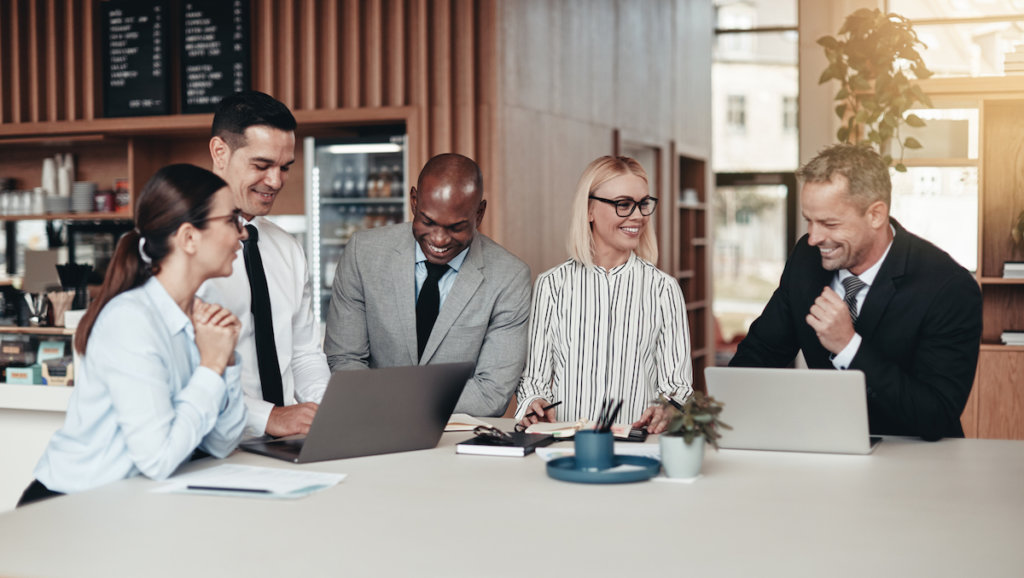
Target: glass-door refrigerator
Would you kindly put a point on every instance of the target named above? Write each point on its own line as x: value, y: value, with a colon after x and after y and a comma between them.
x: 352, y: 183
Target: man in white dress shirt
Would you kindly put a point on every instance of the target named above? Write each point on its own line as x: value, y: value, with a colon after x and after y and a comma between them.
x: 284, y: 370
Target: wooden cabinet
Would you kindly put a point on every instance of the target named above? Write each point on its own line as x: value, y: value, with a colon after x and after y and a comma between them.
x: 996, y: 409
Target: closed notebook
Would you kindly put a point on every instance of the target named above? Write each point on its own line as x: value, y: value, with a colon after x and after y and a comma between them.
x: 521, y: 444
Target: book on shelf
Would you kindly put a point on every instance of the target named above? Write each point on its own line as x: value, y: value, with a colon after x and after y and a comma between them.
x: 1013, y: 270
x: 520, y: 444
x: 1012, y: 337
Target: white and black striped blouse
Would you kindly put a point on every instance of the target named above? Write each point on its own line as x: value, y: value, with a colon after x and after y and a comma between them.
x: 597, y: 334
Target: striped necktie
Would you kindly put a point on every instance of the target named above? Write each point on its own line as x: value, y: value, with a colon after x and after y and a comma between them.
x: 853, y: 285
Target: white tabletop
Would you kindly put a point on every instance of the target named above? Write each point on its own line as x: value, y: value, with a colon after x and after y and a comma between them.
x: 913, y: 508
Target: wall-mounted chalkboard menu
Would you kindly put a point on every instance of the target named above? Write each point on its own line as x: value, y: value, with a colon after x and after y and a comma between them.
x: 135, y: 79
x: 214, y: 52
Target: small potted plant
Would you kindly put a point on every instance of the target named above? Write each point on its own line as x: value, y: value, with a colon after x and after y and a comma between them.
x: 693, y: 424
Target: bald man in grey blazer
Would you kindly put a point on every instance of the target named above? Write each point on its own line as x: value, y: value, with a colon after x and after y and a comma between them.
x: 391, y: 281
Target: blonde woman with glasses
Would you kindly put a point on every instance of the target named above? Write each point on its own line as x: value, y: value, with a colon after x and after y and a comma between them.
x: 607, y: 323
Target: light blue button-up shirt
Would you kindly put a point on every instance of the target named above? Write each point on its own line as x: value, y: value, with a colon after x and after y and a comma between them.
x: 444, y: 285
x: 141, y: 403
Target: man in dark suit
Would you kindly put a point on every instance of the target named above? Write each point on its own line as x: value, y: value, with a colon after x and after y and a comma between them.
x: 861, y: 292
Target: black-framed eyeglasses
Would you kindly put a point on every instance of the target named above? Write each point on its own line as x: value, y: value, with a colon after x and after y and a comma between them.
x: 235, y: 218
x: 492, y: 433
x: 625, y: 207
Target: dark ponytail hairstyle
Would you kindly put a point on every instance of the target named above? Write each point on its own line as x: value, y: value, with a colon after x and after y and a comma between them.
x: 175, y: 195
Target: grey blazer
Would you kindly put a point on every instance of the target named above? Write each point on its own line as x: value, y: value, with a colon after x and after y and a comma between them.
x: 372, y: 316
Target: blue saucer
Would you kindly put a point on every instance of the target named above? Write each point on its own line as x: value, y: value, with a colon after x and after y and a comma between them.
x: 565, y: 469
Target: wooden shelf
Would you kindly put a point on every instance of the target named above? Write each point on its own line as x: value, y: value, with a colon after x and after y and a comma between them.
x: 10, y: 330
x: 35, y: 397
x: 699, y: 242
x: 695, y: 305
x: 684, y: 274
x: 1002, y: 348
x: 1000, y: 281
x: 187, y: 124
x: 69, y: 217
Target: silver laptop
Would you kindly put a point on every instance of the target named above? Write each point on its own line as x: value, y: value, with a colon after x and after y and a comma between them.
x: 800, y: 410
x: 375, y: 411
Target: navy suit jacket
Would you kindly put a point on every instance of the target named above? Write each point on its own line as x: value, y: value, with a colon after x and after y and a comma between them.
x: 921, y: 330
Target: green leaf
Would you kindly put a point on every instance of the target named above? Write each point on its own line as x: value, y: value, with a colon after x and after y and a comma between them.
x: 887, y: 159
x: 829, y: 43
x: 859, y: 83
x: 842, y: 94
x: 841, y: 111
x: 900, y: 168
x: 861, y: 117
x: 843, y: 135
x: 911, y: 143
x: 914, y: 121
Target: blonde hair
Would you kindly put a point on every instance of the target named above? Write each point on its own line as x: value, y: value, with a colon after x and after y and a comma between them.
x: 597, y: 173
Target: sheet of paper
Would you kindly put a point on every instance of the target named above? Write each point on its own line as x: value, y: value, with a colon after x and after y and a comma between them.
x: 622, y: 449
x: 251, y: 482
x: 463, y: 422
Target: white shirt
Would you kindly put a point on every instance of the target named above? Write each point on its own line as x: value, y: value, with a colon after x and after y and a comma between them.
x: 304, y: 371
x: 141, y: 402
x: 597, y: 334
x: 844, y: 358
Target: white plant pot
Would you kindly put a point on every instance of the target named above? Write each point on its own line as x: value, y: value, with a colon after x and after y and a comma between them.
x: 679, y: 459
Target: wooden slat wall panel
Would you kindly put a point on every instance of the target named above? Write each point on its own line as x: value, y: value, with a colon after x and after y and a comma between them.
x: 439, y: 80
x: 350, y: 54
x: 394, y: 54
x: 329, y: 63
x: 46, y: 61
x: 436, y: 55
x: 36, y: 75
x: 52, y: 47
x: 311, y: 40
x: 4, y: 36
x: 69, y: 66
x: 372, y: 61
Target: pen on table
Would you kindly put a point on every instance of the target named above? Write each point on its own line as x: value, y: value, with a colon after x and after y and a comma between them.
x: 547, y: 407
x: 223, y: 489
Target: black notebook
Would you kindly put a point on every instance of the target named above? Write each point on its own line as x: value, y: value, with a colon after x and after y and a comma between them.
x: 520, y: 445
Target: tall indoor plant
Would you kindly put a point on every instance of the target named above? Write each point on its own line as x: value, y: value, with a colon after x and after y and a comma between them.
x: 875, y: 58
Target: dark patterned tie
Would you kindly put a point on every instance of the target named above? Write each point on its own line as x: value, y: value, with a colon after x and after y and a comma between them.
x: 263, y: 323
x: 428, y: 304
x: 853, y: 285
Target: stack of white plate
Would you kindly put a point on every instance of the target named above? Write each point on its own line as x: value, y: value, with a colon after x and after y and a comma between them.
x: 83, y: 194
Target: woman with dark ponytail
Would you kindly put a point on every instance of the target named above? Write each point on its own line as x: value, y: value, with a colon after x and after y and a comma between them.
x: 159, y: 376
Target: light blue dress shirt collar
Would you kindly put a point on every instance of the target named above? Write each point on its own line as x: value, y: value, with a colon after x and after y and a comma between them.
x: 173, y: 317
x: 444, y: 285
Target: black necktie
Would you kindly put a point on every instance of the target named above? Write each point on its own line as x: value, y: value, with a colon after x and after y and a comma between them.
x: 263, y: 323
x: 428, y: 304
x: 853, y: 285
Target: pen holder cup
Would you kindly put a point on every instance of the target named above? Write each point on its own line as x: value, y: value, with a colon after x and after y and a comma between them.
x: 595, y: 450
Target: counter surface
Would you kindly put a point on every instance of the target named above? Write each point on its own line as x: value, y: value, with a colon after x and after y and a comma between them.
x: 913, y: 508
